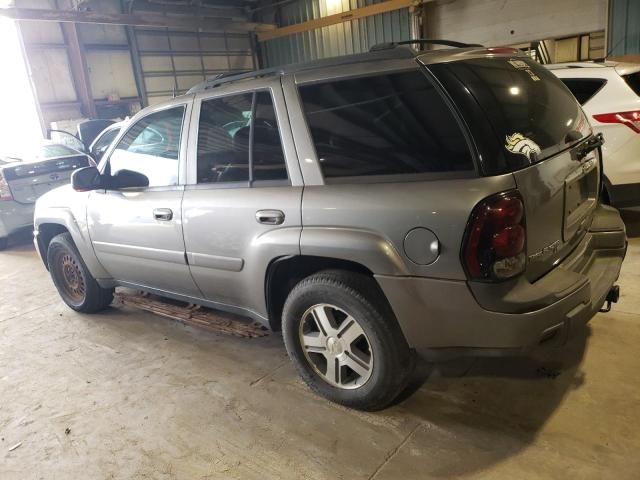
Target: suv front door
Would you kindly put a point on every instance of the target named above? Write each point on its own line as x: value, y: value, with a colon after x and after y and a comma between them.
x: 137, y: 232
x: 241, y: 208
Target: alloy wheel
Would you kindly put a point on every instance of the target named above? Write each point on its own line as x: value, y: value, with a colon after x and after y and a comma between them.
x: 336, y: 346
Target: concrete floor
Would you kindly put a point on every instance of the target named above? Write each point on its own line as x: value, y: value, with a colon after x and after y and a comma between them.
x: 127, y: 394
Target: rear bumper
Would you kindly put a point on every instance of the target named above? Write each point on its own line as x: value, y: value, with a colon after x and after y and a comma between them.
x: 624, y: 195
x: 435, y: 313
x: 15, y: 216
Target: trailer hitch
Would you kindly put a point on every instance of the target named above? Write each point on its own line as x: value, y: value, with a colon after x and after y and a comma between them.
x: 612, y: 297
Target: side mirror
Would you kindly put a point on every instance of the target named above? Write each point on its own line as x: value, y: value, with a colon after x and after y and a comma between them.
x: 86, y: 179
x: 128, y: 179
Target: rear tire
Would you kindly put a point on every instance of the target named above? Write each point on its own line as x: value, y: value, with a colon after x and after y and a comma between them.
x: 70, y: 275
x: 344, y: 340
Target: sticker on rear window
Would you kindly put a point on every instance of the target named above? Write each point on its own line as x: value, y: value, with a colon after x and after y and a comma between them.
x: 522, y: 65
x: 519, y: 144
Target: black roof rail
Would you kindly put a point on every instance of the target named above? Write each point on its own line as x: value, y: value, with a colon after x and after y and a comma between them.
x: 232, y: 77
x: 423, y: 41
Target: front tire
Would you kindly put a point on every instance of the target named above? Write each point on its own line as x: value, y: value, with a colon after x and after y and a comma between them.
x: 345, y: 341
x: 70, y: 275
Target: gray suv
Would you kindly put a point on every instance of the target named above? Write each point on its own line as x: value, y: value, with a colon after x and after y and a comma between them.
x: 368, y: 206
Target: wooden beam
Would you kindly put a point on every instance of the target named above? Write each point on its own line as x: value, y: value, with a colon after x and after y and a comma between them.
x: 78, y: 64
x: 382, y: 7
x: 146, y: 19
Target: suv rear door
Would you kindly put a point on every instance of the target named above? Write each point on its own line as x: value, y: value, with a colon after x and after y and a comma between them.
x: 525, y: 121
x: 241, y: 207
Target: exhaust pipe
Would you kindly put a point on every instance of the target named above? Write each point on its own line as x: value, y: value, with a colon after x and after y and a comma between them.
x: 612, y: 297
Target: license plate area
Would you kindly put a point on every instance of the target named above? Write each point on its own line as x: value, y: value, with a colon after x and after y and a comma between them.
x: 580, y: 197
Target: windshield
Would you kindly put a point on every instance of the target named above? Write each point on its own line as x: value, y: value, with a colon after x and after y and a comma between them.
x: 102, y: 143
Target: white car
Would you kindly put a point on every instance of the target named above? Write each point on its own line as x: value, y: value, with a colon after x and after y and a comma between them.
x: 609, y: 93
x: 23, y: 179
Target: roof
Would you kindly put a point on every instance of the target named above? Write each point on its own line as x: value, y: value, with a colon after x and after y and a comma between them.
x: 622, y: 68
x: 381, y: 52
x: 562, y: 66
x: 373, y: 56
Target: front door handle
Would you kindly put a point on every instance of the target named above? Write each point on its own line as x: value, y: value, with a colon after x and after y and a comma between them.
x: 270, y: 217
x: 164, y: 214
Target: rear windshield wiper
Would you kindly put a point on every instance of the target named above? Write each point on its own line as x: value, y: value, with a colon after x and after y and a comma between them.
x: 589, y: 146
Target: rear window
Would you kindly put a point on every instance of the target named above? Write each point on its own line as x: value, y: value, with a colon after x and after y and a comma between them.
x: 633, y: 80
x: 383, y: 125
x: 531, y: 113
x: 583, y: 88
x: 53, y: 151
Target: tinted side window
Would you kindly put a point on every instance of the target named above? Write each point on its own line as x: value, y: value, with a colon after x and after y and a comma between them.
x: 152, y: 147
x: 383, y: 125
x: 633, y: 80
x: 224, y: 140
x: 268, y: 156
x: 583, y: 88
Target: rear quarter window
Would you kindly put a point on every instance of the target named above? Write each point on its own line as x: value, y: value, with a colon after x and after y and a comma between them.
x: 381, y: 125
x: 584, y: 89
x: 633, y: 80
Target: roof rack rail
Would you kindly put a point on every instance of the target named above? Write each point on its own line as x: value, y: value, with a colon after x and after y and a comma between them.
x: 423, y: 41
x: 232, y: 77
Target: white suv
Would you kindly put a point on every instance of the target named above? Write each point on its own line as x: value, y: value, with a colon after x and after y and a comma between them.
x: 610, y: 96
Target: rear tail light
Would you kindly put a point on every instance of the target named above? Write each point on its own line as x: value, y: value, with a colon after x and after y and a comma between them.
x: 5, y: 192
x: 495, y: 240
x: 630, y: 119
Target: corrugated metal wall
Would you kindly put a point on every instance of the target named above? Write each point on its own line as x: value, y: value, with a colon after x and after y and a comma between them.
x: 108, y: 59
x: 508, y: 22
x: 624, y: 27
x: 174, y: 60
x: 171, y: 60
x: 48, y: 59
x: 349, y: 37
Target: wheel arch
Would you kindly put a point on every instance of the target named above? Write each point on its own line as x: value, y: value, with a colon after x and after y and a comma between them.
x: 284, y: 273
x: 46, y: 232
x: 50, y: 222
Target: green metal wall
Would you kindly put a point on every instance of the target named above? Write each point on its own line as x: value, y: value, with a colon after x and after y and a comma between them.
x: 624, y: 27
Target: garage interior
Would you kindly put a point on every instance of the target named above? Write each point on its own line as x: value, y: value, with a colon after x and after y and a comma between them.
x: 129, y: 394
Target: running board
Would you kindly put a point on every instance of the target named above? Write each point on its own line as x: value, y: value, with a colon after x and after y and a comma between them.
x: 192, y: 315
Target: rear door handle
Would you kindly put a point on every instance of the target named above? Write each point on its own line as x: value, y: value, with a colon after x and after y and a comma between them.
x: 164, y: 214
x: 270, y: 217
